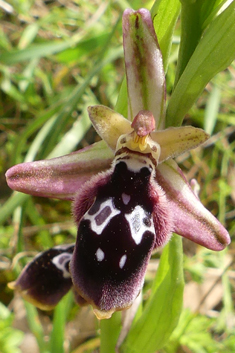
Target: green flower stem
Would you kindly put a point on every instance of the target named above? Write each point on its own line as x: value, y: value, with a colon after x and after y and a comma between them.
x: 110, y: 330
x: 190, y: 33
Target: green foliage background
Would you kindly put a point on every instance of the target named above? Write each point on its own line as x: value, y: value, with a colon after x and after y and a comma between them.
x: 58, y: 57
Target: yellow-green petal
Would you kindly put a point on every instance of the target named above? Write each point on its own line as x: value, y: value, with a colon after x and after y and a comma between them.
x: 108, y: 124
x: 177, y: 140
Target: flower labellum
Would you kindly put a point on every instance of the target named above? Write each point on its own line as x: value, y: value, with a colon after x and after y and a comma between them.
x: 127, y: 220
x: 128, y: 194
x: 50, y: 268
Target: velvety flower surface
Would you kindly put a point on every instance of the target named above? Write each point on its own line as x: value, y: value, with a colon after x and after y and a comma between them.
x: 128, y: 194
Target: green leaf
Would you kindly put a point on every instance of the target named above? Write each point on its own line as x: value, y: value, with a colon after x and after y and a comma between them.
x: 7, y: 87
x: 28, y: 35
x: 195, y: 17
x: 214, y: 53
x: 4, y: 40
x: 161, y: 314
x: 59, y: 321
x: 212, y: 109
x: 34, y: 51
x: 15, y: 200
x: 164, y: 23
x: 193, y: 332
x: 84, y: 48
x: 73, y: 100
x: 122, y: 104
x: 53, y: 47
x: 35, y: 326
x: 32, y: 127
x: 70, y: 140
x: 106, y: 56
x: 209, y: 10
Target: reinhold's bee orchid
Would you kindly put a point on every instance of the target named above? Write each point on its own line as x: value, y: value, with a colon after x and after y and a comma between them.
x: 128, y: 193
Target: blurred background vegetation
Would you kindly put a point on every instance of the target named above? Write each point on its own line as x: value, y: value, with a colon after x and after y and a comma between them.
x: 58, y: 57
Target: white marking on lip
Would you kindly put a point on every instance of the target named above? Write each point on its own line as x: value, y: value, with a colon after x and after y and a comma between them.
x: 60, y: 261
x: 137, y: 225
x: 136, y: 164
x: 122, y: 261
x: 98, y: 228
x: 126, y: 198
x: 99, y: 255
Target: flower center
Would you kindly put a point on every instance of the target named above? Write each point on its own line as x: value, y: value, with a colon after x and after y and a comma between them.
x: 140, y: 140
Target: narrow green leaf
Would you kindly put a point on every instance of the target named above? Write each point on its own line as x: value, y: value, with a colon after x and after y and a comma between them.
x: 161, y: 314
x: 164, y: 24
x: 191, y: 31
x: 33, y: 51
x: 53, y: 47
x: 73, y: 100
x: 35, y: 326
x: 212, y: 109
x: 214, y: 53
x: 4, y: 40
x: 16, y: 199
x: 7, y: 87
x: 39, y: 139
x: 28, y: 75
x: 71, y: 139
x: 59, y: 321
x: 195, y: 17
x: 85, y: 47
x: 210, y: 10
x: 122, y: 104
x: 103, y: 59
x: 28, y: 35
x: 31, y: 128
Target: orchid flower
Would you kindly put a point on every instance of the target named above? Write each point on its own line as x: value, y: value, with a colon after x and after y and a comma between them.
x: 128, y: 193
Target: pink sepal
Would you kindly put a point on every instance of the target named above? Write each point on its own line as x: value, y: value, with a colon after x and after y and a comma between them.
x: 60, y: 177
x: 190, y: 218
